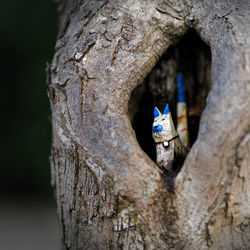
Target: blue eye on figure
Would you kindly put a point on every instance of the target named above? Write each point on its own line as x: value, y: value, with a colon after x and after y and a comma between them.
x: 154, y: 129
x: 160, y: 128
x: 157, y: 128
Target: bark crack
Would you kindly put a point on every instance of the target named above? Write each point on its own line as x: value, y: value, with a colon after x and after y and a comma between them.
x: 117, y: 47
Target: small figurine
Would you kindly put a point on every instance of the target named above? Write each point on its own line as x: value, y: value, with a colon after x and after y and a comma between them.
x: 169, y: 148
x: 182, y: 121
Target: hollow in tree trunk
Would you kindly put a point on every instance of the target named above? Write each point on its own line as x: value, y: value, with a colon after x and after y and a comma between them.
x: 110, y: 194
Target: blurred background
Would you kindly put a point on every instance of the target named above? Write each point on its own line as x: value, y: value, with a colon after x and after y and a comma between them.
x: 27, y: 209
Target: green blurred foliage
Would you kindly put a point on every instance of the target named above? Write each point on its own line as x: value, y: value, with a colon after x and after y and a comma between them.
x: 28, y: 34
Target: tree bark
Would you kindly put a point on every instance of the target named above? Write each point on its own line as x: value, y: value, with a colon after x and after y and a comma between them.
x: 109, y: 193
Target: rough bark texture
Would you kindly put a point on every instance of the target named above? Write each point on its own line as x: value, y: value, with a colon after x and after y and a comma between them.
x: 110, y: 194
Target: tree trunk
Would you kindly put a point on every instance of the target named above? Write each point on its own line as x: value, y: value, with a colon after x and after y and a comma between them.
x: 109, y: 193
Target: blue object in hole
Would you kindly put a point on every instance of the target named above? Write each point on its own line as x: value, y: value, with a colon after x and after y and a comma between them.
x: 157, y: 128
x: 180, y: 77
x: 181, y: 90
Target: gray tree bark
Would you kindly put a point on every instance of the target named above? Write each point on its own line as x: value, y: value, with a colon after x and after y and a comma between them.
x: 109, y: 193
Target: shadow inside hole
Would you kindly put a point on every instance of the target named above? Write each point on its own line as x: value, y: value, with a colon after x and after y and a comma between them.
x: 191, y: 57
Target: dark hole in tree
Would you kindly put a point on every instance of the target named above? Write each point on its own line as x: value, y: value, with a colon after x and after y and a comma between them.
x: 191, y: 57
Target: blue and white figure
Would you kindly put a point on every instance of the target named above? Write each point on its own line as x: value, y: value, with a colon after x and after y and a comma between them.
x: 163, y: 126
x: 182, y: 121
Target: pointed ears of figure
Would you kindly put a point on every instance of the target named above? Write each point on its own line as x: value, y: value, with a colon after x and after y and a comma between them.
x: 166, y: 110
x: 156, y: 112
